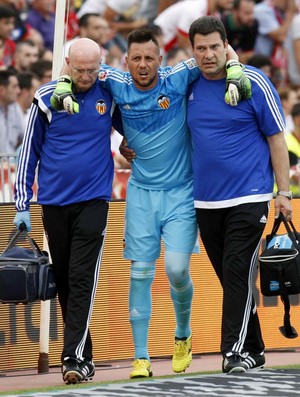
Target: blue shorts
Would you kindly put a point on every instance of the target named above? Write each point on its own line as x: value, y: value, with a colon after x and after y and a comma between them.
x: 155, y: 215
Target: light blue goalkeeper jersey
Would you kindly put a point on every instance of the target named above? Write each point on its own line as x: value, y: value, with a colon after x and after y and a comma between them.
x: 155, y: 126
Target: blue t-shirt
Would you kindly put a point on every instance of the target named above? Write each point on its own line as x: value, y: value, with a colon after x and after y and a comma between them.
x: 71, y: 152
x: 232, y: 163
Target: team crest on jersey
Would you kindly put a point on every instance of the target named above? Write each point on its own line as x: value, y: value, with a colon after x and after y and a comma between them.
x: 101, y: 106
x: 163, y: 101
x: 102, y: 75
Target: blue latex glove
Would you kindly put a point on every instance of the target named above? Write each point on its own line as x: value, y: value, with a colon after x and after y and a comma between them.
x: 23, y: 217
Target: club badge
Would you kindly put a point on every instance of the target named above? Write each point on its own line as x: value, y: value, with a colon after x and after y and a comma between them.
x: 101, y: 106
x: 163, y: 102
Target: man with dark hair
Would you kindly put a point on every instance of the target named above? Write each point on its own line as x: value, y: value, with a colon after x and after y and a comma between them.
x: 27, y: 53
x: 43, y: 70
x: 95, y: 27
x: 11, y: 118
x: 241, y: 28
x: 7, y: 45
x: 236, y: 151
x: 159, y: 202
x: 28, y: 84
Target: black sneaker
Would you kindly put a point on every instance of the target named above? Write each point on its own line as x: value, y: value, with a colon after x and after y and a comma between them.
x: 71, y: 372
x: 88, y: 369
x: 254, y: 361
x: 233, y: 363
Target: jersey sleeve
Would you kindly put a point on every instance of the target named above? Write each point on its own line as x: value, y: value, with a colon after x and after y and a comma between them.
x: 183, y: 74
x: 265, y: 103
x: 29, y: 155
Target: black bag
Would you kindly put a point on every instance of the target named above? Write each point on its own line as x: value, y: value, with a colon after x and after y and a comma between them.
x: 25, y: 274
x: 280, y: 269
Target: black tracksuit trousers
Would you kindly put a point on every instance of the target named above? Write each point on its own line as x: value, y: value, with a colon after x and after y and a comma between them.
x: 75, y: 236
x: 231, y: 237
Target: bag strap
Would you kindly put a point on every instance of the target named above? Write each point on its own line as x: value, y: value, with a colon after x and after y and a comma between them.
x: 290, y: 228
x: 292, y: 232
x: 33, y: 244
x: 287, y: 330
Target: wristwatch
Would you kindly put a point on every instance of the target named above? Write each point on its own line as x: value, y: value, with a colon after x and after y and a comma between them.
x: 289, y: 195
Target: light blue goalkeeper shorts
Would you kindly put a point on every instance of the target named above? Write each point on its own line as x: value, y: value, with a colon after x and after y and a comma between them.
x: 153, y: 216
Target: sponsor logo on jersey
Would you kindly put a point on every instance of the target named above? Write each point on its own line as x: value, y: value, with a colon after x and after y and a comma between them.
x: 163, y: 101
x: 127, y: 107
x: 101, y: 106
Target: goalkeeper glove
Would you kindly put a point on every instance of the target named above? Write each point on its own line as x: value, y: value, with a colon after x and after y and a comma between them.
x: 238, y: 86
x: 63, y: 97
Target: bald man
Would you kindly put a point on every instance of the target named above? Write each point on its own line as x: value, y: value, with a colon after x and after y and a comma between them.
x: 75, y: 177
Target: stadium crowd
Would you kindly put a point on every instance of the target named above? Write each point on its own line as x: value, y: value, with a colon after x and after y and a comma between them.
x: 265, y: 34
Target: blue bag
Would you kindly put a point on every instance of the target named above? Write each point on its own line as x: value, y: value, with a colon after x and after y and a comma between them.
x: 25, y: 274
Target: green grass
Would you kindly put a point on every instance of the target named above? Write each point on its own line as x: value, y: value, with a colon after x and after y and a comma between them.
x: 95, y: 384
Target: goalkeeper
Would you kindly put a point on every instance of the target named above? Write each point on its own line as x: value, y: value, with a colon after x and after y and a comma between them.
x: 159, y: 202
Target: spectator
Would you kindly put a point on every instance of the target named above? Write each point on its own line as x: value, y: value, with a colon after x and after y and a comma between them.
x: 292, y: 46
x: 124, y: 16
x: 46, y: 55
x: 265, y: 64
x: 22, y: 31
x: 241, y: 28
x: 11, y: 118
x: 94, y: 27
x: 27, y: 52
x: 150, y: 8
x: 293, y: 143
x: 28, y: 84
x: 43, y: 70
x: 75, y: 174
x: 262, y: 62
x: 91, y: 7
x: 274, y: 18
x: 41, y: 17
x: 289, y: 97
x: 107, y: 35
x: 7, y: 45
x: 176, y: 20
x: 245, y: 144
x: 163, y: 4
x: 176, y: 55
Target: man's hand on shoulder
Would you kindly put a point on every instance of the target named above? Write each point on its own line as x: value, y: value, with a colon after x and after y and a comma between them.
x: 238, y: 85
x: 63, y: 97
